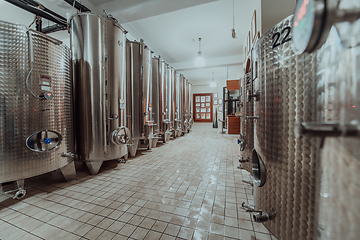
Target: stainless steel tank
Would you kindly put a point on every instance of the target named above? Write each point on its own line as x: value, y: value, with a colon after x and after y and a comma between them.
x: 246, y: 139
x: 139, y: 92
x: 179, y: 104
x: 169, y: 86
x: 159, y: 99
x: 337, y: 125
x: 191, y: 121
x: 98, y: 49
x: 36, y: 110
x: 284, y: 168
x: 174, y: 98
x: 186, y: 109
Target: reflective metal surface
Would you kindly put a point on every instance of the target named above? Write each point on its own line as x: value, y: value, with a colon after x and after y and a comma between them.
x: 98, y: 48
x: 139, y: 93
x: 160, y: 99
x: 285, y: 87
x: 338, y: 103
x: 35, y: 131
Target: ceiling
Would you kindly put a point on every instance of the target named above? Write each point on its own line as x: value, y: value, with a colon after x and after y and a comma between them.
x: 171, y: 28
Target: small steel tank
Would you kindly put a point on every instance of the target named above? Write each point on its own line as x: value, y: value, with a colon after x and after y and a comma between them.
x: 160, y: 99
x: 284, y: 168
x: 139, y: 92
x: 98, y: 48
x: 246, y: 139
x: 36, y: 108
x: 337, y: 126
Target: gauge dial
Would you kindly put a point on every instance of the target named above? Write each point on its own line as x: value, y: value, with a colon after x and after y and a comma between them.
x: 308, y: 22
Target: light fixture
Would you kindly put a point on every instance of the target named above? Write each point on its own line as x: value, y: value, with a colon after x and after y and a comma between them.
x: 213, y: 83
x: 199, y: 61
x: 233, y: 33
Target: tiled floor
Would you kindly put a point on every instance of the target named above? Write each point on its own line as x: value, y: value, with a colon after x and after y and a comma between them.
x: 189, y: 188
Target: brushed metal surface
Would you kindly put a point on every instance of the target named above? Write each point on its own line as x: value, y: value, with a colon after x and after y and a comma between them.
x: 338, y: 92
x: 287, y: 86
x: 98, y: 49
x: 22, y: 114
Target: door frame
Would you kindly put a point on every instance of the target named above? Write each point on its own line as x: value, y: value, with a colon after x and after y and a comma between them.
x: 211, y: 107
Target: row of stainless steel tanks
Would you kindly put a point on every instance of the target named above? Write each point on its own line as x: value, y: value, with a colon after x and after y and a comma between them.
x: 100, y: 100
x: 300, y: 129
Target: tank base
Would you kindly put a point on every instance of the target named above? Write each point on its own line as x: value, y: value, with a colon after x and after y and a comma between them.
x: 154, y: 142
x: 166, y: 137
x: 94, y: 166
x: 69, y: 171
x: 132, y: 148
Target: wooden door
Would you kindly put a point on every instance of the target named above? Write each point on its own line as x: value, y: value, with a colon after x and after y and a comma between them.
x: 203, y: 107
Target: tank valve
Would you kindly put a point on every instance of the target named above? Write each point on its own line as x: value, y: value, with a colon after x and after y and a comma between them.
x: 20, y: 192
x: 243, y: 160
x: 69, y: 154
x: 264, y: 217
x: 319, y: 129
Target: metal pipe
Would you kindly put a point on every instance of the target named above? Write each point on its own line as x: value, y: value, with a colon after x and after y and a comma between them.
x: 36, y: 11
x: 78, y: 6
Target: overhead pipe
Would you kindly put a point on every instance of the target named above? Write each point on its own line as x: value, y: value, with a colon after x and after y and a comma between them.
x: 38, y: 12
x: 42, y: 7
x: 78, y: 6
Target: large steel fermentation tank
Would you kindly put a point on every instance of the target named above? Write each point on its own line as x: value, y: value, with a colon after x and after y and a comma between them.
x: 284, y: 167
x: 246, y: 139
x: 191, y: 121
x: 179, y: 113
x: 160, y: 99
x: 337, y: 125
x: 170, y: 99
x: 186, y: 108
x: 139, y: 92
x: 36, y: 109
x: 174, y: 103
x: 98, y: 47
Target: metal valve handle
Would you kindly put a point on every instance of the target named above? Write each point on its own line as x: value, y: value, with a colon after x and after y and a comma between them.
x: 318, y: 129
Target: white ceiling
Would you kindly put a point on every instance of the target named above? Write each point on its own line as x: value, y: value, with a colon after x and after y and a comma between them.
x: 171, y: 28
x: 173, y: 32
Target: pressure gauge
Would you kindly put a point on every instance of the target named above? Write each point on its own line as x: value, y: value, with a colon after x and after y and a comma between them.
x: 313, y: 20
x: 309, y: 22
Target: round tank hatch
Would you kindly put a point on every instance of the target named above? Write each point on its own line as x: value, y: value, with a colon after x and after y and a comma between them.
x: 258, y: 168
x: 44, y: 141
x: 121, y: 135
x: 242, y: 142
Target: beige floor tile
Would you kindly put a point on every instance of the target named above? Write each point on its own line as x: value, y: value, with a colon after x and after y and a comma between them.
x: 167, y: 237
x: 147, y: 223
x: 127, y: 230
x: 159, y: 226
x: 152, y: 235
x: 94, y: 233
x: 116, y: 226
x: 172, y: 229
x: 262, y: 236
x: 186, y: 233
x: 106, y: 235
x: 139, y: 233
